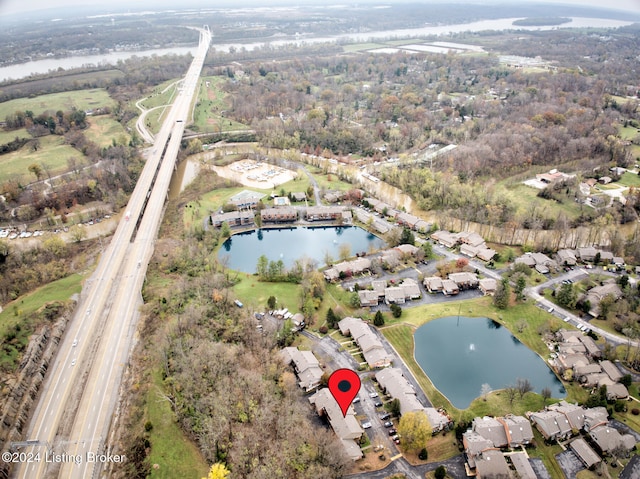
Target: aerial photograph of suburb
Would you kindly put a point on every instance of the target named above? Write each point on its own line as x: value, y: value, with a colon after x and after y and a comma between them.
x: 306, y: 239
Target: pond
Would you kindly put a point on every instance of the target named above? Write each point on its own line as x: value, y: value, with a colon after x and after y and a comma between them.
x: 460, y: 354
x: 291, y: 244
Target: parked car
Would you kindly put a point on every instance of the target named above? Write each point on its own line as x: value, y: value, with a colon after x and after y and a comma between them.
x: 392, y: 432
x: 356, y: 400
x: 385, y: 416
x: 366, y: 425
x: 377, y: 404
x: 373, y: 394
x: 388, y: 424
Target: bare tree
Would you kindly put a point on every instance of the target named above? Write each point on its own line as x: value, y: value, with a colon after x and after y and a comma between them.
x: 524, y: 386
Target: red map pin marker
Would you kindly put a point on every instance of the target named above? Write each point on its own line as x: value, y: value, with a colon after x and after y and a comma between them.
x: 344, y: 385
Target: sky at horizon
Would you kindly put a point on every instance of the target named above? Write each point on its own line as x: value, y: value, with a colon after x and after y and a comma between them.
x: 8, y: 7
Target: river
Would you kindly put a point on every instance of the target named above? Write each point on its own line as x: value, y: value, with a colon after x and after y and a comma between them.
x: 23, y: 70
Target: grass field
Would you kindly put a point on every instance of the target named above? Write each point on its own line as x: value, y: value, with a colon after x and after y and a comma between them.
x: 358, y: 47
x: 254, y: 293
x: 7, y: 136
x: 523, y: 197
x: 174, y: 454
x: 80, y: 99
x: 103, y: 130
x: 211, y: 102
x: 60, y: 290
x: 52, y: 152
x: 629, y: 179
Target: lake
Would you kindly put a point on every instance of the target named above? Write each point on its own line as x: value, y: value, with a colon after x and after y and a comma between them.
x: 460, y: 354
x: 290, y: 244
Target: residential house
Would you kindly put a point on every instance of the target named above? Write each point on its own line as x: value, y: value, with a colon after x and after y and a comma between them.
x: 433, y: 284
x: 345, y: 427
x: 607, y: 438
x: 379, y: 285
x: 407, y: 250
x: 394, y: 295
x: 390, y: 258
x: 323, y: 213
x: 553, y: 425
x: 396, y: 385
x: 464, y: 280
x: 411, y: 289
x: 469, y: 250
x: 368, y: 298
x: 232, y: 218
x: 606, y: 257
x: 407, y: 220
x: 473, y: 239
x: 449, y: 288
x: 566, y: 257
x: 298, y: 196
x: 486, y: 254
x: 518, y: 430
x: 597, y: 294
x: 491, y: 464
x: 587, y: 253
x: 592, y: 349
x: 347, y: 268
x: 574, y: 414
x: 306, y: 367
x: 372, y: 349
x: 334, y: 196
x: 594, y: 417
x: 520, y: 461
x: 474, y: 445
x: 285, y: 214
x: 445, y: 238
x: 585, y: 453
x: 526, y: 259
x: 615, y: 390
x: 612, y: 370
x: 488, y: 286
x: 492, y: 429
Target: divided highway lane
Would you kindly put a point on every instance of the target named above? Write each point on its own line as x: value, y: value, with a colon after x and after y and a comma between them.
x: 117, y: 279
x: 101, y: 394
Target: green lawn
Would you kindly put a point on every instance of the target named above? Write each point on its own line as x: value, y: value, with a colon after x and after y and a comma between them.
x: 171, y: 450
x: 523, y: 197
x: 52, y: 152
x: 7, y: 136
x: 210, y: 104
x: 254, y: 293
x: 630, y: 179
x: 65, y: 101
x: 628, y: 132
x: 103, y: 130
x: 358, y: 47
x: 60, y: 290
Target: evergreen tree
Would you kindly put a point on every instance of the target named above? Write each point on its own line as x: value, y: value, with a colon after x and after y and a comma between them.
x: 501, y: 297
x: 378, y: 320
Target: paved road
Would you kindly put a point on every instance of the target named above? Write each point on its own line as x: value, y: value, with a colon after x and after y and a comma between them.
x: 93, y: 354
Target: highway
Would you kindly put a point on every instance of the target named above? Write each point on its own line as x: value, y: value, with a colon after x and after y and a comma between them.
x: 94, y: 351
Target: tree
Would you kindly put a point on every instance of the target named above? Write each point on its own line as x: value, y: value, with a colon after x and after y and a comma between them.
x: 428, y: 250
x: 332, y: 319
x: 567, y: 295
x: 440, y: 472
x: 218, y: 471
x: 36, y: 170
x: 546, y: 394
x: 354, y: 301
x: 524, y: 386
x: 378, y: 319
x: 271, y: 302
x: 501, y: 296
x: 521, y: 283
x: 225, y: 230
x: 414, y: 430
x: 393, y: 407
x: 78, y: 234
x: 344, y: 251
x: 262, y: 267
x: 511, y: 392
x: 396, y: 311
x: 407, y: 237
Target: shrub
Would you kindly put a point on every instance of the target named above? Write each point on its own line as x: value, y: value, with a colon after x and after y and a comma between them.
x: 440, y: 472
x: 635, y: 411
x: 423, y: 455
x: 323, y: 330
